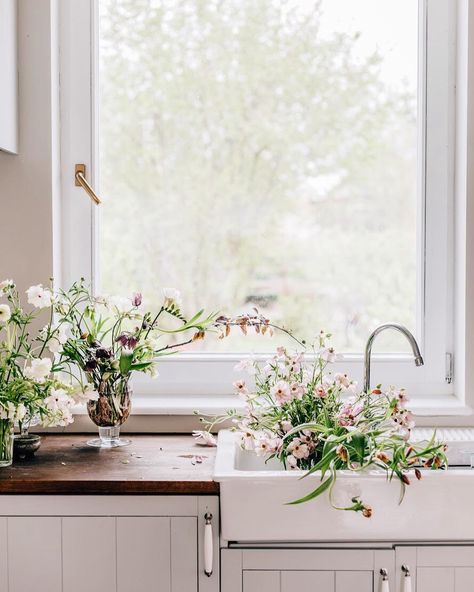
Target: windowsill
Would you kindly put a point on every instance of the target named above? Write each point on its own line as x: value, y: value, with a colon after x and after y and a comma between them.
x: 445, y: 405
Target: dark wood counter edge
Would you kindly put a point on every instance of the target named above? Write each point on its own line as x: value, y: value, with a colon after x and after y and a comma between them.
x: 15, y: 487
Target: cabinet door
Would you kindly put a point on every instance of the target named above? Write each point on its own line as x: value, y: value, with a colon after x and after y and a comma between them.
x: 314, y: 570
x: 34, y: 554
x: 157, y: 554
x: 438, y: 569
x: 98, y: 554
x: 89, y: 554
x: 313, y: 581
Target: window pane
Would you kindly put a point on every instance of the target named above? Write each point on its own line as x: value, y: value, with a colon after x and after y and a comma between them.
x: 263, y: 153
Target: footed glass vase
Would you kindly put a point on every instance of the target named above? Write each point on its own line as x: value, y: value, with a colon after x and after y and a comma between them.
x: 109, y: 412
x: 6, y: 442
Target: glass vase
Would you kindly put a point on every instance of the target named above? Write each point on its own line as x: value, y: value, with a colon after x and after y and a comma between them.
x: 109, y: 412
x: 6, y: 442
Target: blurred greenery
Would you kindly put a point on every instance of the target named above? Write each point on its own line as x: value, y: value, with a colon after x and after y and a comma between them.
x: 251, y: 160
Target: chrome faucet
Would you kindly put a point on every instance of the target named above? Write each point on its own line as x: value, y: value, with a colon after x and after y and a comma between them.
x: 370, y: 341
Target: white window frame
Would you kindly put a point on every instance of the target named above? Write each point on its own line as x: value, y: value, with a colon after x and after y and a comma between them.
x: 188, y: 381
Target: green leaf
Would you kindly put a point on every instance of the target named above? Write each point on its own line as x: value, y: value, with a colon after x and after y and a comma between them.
x: 318, y: 491
x: 140, y: 366
x: 125, y: 363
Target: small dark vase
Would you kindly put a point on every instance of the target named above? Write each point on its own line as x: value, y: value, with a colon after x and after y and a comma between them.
x: 25, y: 445
x: 109, y: 412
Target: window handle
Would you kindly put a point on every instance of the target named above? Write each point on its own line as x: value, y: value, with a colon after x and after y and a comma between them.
x: 81, y: 181
x: 208, y: 545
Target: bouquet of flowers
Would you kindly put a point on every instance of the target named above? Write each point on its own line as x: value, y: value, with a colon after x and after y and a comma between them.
x: 29, y: 389
x: 110, y: 338
x: 308, y: 418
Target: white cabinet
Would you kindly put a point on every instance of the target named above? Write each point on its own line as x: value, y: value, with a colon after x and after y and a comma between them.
x: 128, y: 544
x: 8, y: 76
x: 318, y: 570
x: 443, y: 568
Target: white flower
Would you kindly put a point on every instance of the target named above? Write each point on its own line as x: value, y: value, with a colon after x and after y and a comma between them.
x: 39, y: 297
x: 12, y: 412
x: 38, y: 369
x: 152, y: 371
x: 204, y: 438
x: 247, y: 441
x: 59, y: 405
x: 172, y: 297
x: 20, y: 412
x: 59, y: 338
x: 5, y: 313
x: 84, y: 395
x: 6, y: 285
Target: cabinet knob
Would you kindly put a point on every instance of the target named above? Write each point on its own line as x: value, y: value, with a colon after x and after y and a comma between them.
x: 208, y: 545
x: 406, y: 582
x: 384, y: 583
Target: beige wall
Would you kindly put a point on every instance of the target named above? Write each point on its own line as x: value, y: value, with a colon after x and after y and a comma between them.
x: 28, y: 180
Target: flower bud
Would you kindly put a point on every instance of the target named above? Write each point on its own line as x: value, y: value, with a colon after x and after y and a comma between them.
x: 367, y: 511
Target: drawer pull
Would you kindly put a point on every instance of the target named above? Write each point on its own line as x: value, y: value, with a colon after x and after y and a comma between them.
x: 384, y: 583
x: 208, y: 545
x: 406, y: 583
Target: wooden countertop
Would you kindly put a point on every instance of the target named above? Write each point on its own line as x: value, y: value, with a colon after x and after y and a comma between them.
x: 151, y: 464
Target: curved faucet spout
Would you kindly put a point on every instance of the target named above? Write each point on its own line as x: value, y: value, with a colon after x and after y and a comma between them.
x: 368, y: 349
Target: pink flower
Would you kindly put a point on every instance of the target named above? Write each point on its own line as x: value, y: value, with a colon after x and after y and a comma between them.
x: 204, y: 438
x: 286, y: 425
x: 404, y: 419
x: 328, y: 354
x: 281, y: 392
x: 342, y: 379
x: 266, y: 445
x: 281, y: 352
x: 240, y: 387
x: 295, y: 362
x: 137, y: 299
x: 291, y: 462
x: 246, y: 365
x: 320, y: 392
x: 296, y: 390
x: 298, y: 449
x: 349, y: 412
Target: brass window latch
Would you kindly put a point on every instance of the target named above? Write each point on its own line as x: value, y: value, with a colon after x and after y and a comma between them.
x: 81, y: 181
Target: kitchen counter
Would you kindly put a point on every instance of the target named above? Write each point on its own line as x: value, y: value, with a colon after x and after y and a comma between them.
x: 150, y: 465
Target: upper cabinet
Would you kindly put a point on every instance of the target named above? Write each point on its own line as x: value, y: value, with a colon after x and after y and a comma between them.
x: 8, y: 76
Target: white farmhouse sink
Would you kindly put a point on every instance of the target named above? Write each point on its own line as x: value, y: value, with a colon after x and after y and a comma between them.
x: 254, y: 495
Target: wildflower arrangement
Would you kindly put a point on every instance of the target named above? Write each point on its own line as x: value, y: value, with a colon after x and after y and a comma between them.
x: 310, y: 419
x: 29, y: 388
x: 110, y: 338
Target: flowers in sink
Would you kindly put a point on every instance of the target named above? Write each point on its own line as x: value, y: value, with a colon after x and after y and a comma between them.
x: 299, y: 412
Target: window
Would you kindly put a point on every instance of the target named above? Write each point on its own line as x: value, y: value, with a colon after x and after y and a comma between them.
x: 293, y: 156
